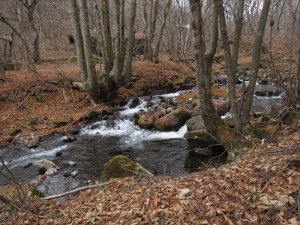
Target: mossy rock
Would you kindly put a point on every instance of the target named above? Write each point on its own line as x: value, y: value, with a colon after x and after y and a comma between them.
x: 33, y: 122
x: 62, y: 122
x: 219, y: 58
x: 177, y: 68
x: 120, y: 166
x: 180, y: 81
x: 14, y: 132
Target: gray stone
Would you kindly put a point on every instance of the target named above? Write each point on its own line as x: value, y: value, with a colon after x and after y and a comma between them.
x: 71, y: 163
x: 74, y: 174
x: 51, y: 171
x: 195, y: 123
x: 67, y: 173
x: 202, y: 139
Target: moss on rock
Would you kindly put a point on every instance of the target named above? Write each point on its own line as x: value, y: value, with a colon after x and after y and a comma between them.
x: 62, y: 122
x: 14, y: 132
x: 120, y: 166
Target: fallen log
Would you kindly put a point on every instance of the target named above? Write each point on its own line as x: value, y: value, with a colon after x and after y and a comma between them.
x: 77, y: 190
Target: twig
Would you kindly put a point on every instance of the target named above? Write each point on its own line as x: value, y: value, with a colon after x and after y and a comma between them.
x: 77, y: 190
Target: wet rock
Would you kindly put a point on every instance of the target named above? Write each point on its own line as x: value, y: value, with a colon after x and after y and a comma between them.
x: 33, y: 144
x: 51, y: 171
x: 47, y: 164
x: 29, y: 164
x: 74, y: 173
x: 146, y: 120
x: 222, y: 79
x: 172, y: 121
x: 69, y: 138
x: 134, y: 103
x: 202, y: 139
x: 67, y: 174
x: 150, y: 104
x: 71, y: 163
x: 75, y: 131
x: 120, y: 166
x: 58, y: 154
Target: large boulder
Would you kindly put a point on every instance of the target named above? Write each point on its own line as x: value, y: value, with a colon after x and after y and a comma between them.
x: 146, y: 120
x: 202, y: 139
x: 173, y: 120
x: 120, y: 166
x: 195, y: 123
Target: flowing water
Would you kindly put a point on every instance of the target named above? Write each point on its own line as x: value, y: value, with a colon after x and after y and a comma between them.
x: 164, y: 153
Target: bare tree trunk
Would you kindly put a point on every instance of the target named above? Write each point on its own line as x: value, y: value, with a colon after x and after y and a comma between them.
x: 92, y: 85
x: 127, y: 73
x: 255, y: 61
x: 2, y: 72
x: 215, y: 126
x: 237, y: 34
x: 298, y: 77
x: 117, y: 69
x: 36, y: 36
x: 229, y: 68
x: 108, y: 46
x: 151, y: 26
x: 166, y: 13
x: 78, y: 40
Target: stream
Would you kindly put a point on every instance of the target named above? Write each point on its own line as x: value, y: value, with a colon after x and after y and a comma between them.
x: 164, y: 153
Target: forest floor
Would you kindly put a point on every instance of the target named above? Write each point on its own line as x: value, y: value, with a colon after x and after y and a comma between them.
x: 261, y: 187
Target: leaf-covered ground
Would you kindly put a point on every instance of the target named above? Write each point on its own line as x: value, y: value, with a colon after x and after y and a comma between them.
x: 262, y: 187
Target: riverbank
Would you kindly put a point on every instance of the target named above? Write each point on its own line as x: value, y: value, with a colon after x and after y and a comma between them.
x: 261, y: 187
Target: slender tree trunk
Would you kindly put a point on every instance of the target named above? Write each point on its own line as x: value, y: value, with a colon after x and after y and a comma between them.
x: 117, y: 69
x: 255, y: 61
x: 92, y: 85
x: 148, y: 54
x: 127, y: 73
x: 2, y: 72
x: 229, y: 68
x: 298, y: 76
x: 166, y: 13
x: 78, y: 40
x: 237, y: 34
x: 36, y: 36
x: 108, y: 46
x: 215, y: 126
x: 122, y: 33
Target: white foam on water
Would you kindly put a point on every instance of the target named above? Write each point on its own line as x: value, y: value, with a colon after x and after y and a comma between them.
x: 37, y: 155
x: 131, y: 133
